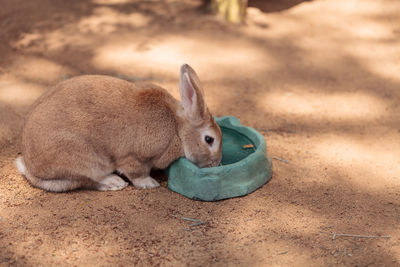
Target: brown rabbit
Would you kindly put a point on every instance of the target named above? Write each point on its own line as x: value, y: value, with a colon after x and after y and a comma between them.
x: 85, y: 129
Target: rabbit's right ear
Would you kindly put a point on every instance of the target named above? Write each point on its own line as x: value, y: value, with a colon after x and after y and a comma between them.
x: 192, y: 95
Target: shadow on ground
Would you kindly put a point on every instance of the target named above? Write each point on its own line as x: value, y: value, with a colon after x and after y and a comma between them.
x: 275, y: 6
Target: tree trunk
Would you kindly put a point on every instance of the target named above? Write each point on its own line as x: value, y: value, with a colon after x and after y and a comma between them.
x: 231, y: 10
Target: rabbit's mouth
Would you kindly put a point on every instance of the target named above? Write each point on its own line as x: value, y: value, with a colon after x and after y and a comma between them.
x: 213, y: 163
x: 207, y: 164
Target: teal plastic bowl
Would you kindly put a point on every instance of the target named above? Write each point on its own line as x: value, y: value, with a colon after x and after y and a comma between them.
x: 244, y: 166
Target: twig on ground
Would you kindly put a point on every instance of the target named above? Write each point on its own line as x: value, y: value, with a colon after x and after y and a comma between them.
x: 193, y: 224
x: 283, y: 160
x: 359, y: 236
x: 190, y: 219
x: 196, y: 222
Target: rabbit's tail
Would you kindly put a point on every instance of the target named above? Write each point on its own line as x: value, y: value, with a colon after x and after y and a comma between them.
x: 54, y: 185
x: 19, y: 162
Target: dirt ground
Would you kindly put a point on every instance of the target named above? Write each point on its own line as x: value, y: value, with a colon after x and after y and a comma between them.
x: 319, y: 79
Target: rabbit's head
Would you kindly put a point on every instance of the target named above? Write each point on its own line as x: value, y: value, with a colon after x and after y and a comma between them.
x: 201, y: 136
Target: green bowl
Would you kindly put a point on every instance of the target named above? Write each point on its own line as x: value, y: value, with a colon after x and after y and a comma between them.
x: 244, y: 168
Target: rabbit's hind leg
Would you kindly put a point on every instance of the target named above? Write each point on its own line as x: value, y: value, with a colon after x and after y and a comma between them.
x: 112, y: 182
x: 53, y: 185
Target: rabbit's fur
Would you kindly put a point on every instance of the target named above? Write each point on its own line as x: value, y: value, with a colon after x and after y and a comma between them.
x: 85, y: 129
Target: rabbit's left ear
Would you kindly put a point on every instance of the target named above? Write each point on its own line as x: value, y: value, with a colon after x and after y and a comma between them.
x: 192, y: 94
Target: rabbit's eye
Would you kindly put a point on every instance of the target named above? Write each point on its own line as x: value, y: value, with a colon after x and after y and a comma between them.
x: 209, y: 140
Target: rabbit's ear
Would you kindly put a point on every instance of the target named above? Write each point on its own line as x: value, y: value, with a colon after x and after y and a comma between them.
x: 191, y: 94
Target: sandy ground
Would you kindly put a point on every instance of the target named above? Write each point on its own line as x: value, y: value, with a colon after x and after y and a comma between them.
x: 319, y: 79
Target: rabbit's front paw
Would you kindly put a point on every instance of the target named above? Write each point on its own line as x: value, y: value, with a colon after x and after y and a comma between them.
x: 145, y: 183
x: 112, y: 182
